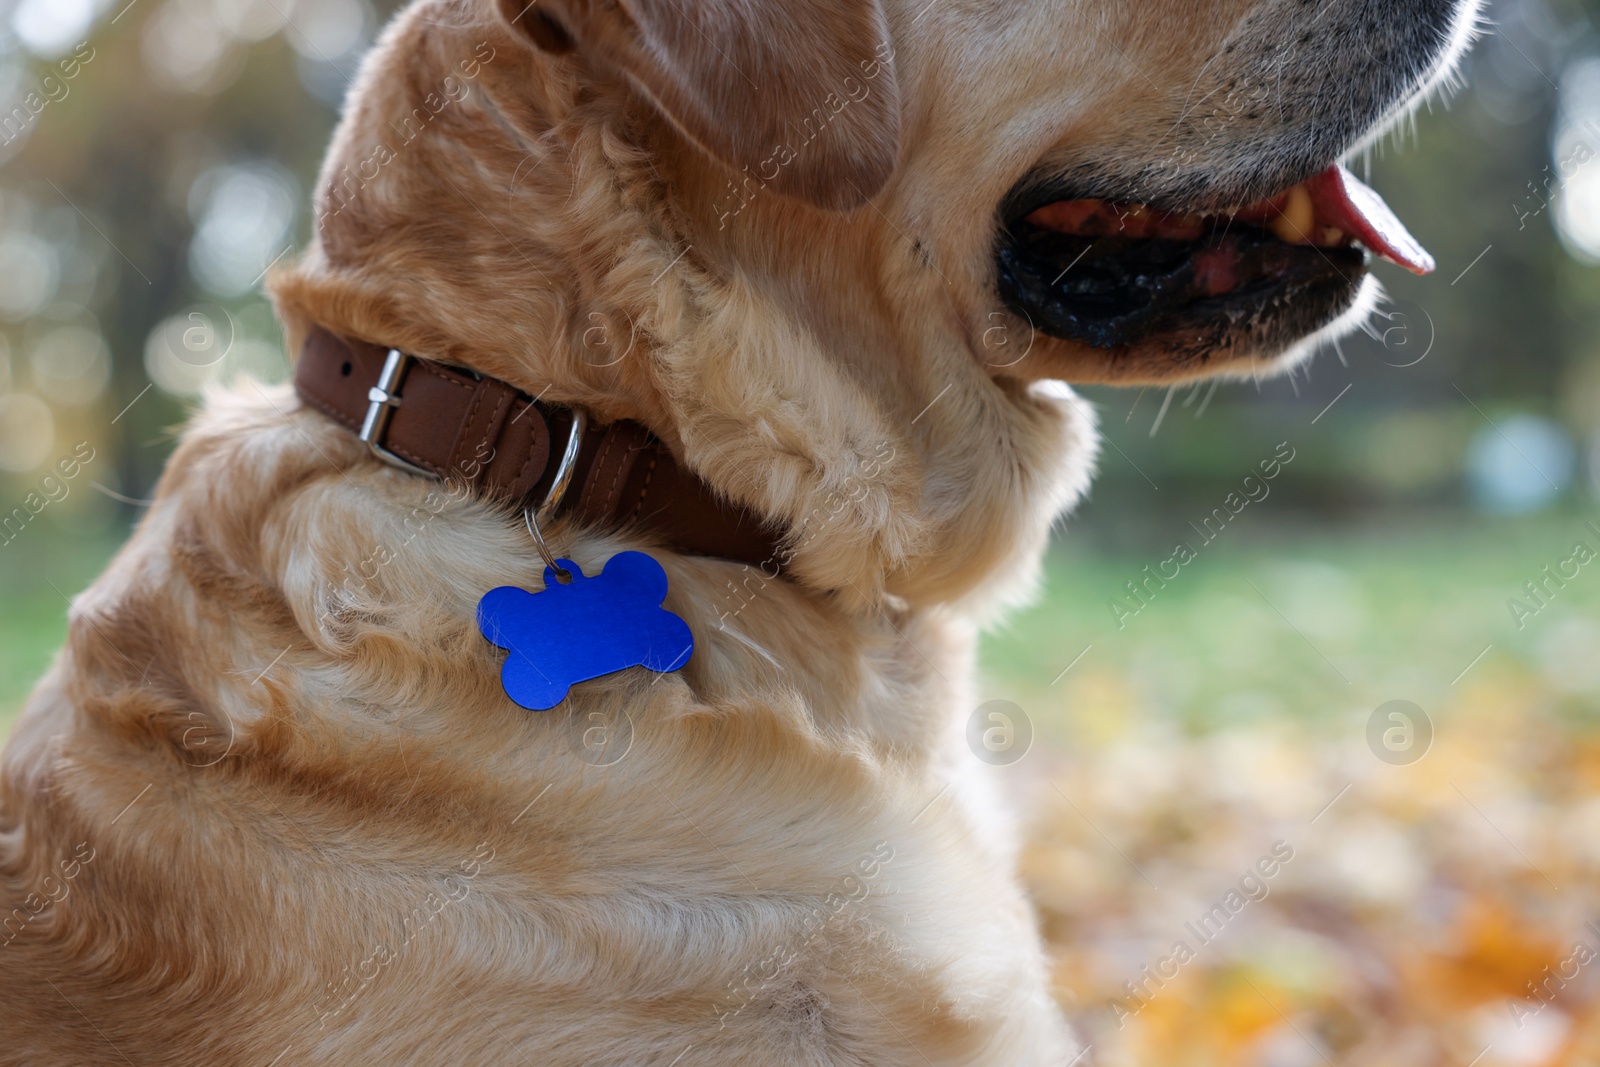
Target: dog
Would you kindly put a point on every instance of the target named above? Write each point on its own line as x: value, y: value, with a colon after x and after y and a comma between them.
x: 819, y: 268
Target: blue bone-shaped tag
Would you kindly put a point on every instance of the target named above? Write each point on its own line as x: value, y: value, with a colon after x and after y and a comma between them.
x: 585, y: 629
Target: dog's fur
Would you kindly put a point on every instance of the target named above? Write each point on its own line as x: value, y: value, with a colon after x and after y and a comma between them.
x: 271, y: 806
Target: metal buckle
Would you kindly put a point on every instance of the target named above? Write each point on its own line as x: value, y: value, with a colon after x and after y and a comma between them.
x: 383, y: 399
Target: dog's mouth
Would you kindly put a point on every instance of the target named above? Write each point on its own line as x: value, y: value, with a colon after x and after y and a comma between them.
x: 1109, y: 273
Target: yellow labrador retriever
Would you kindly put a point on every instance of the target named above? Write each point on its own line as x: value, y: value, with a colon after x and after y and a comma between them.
x: 631, y: 321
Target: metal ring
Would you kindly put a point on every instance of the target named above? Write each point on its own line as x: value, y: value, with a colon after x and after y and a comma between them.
x: 565, y: 469
x: 562, y: 574
x: 557, y: 490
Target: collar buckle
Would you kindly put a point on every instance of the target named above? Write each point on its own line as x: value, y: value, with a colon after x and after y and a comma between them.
x: 382, y: 400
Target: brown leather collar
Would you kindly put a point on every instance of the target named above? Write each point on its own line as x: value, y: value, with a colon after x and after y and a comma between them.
x: 445, y: 422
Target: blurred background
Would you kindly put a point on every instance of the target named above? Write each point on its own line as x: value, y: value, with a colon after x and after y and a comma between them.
x: 1386, y: 669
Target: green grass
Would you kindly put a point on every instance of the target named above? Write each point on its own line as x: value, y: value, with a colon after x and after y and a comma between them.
x: 1313, y: 625
x: 39, y: 571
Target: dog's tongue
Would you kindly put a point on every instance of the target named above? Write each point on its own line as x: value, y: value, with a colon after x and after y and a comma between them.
x: 1343, y: 200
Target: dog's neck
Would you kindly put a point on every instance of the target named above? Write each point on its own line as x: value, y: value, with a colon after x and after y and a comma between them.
x: 812, y: 367
x: 483, y: 436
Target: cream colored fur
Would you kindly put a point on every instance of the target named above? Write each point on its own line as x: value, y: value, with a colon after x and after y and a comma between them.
x: 320, y: 833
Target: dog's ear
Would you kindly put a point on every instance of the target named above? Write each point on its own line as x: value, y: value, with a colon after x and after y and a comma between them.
x: 802, y: 92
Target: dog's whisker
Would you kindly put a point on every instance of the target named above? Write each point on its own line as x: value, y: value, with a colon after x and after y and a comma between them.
x: 114, y: 495
x: 1129, y: 416
x: 1162, y: 414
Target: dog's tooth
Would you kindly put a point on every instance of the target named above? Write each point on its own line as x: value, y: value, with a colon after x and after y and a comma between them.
x: 1332, y: 236
x: 1285, y: 231
x: 1297, y: 218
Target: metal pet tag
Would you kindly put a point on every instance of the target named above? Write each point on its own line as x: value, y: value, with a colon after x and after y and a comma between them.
x: 583, y: 629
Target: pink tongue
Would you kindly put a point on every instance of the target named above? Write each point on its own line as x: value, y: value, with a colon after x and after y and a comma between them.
x: 1343, y: 200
